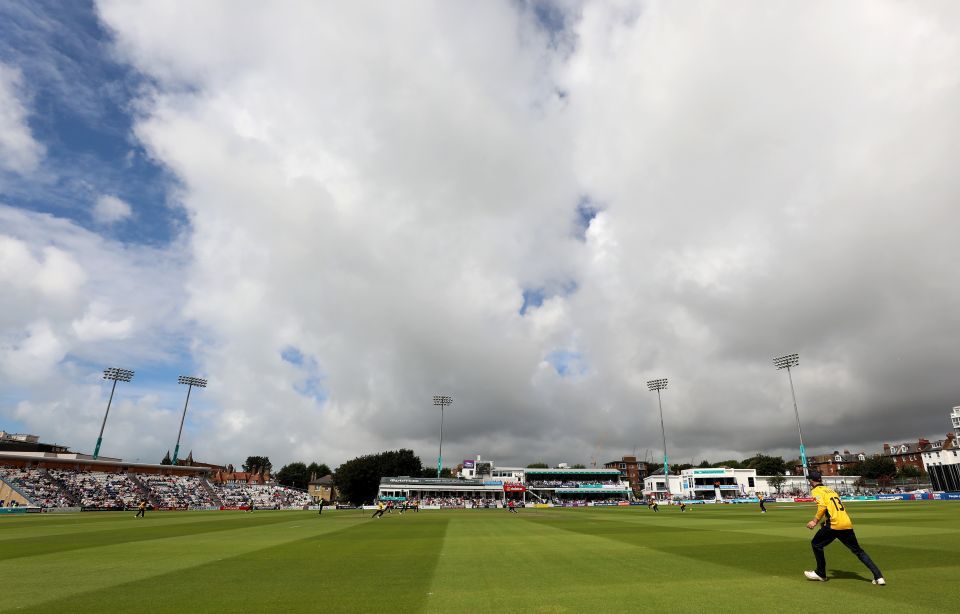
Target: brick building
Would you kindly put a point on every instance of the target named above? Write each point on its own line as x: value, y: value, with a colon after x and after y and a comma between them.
x: 831, y: 464
x: 631, y: 471
x: 906, y: 453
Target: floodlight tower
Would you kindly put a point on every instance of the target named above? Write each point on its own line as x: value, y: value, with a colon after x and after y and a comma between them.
x: 441, y: 401
x: 117, y: 375
x: 786, y: 362
x: 658, y: 385
x: 190, y: 382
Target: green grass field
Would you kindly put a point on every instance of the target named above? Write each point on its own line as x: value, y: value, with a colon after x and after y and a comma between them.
x: 712, y: 558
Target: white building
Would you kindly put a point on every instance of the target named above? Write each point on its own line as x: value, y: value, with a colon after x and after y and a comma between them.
x: 719, y: 483
x: 955, y: 420
x: 941, y: 461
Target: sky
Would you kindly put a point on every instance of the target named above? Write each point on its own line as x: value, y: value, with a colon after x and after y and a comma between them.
x: 335, y: 211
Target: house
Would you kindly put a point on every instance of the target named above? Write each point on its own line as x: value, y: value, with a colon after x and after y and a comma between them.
x: 905, y: 454
x: 322, y: 488
x: 832, y: 464
x: 631, y: 471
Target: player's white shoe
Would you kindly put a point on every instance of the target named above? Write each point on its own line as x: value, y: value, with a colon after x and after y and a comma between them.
x: 880, y: 582
x: 812, y: 575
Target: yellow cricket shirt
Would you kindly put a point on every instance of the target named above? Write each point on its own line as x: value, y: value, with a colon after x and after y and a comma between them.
x: 828, y: 502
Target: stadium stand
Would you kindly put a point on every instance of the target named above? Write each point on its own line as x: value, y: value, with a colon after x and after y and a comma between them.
x: 175, y: 492
x: 37, y: 486
x: 261, y: 496
x: 97, y: 489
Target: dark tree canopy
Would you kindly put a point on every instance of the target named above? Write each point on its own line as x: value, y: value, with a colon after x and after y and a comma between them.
x: 538, y: 466
x: 766, y: 465
x: 258, y: 464
x: 358, y: 479
x: 909, y: 471
x: 879, y: 468
x: 318, y: 469
x: 578, y: 466
x: 294, y: 475
x: 733, y: 464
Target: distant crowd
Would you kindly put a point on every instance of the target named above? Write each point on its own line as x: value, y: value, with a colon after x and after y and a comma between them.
x: 261, y: 496
x: 65, y: 488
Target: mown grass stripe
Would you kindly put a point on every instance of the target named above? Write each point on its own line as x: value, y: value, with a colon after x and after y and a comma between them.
x: 321, y: 572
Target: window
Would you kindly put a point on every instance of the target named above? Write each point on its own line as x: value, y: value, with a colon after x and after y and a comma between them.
x: 623, y: 465
x: 750, y: 482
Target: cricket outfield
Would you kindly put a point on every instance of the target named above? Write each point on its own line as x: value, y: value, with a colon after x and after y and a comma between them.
x: 712, y: 558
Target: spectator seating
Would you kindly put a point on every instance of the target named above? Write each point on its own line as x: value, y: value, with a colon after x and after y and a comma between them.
x: 262, y: 496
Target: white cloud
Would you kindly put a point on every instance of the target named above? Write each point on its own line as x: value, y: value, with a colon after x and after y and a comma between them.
x: 74, y: 303
x: 110, y: 209
x: 19, y: 151
x: 769, y: 180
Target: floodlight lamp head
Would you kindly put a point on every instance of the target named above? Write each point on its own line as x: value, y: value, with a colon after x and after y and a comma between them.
x: 785, y: 362
x: 192, y: 381
x: 657, y: 384
x: 441, y: 400
x: 117, y: 374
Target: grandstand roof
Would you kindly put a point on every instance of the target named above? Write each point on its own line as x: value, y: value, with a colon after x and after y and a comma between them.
x: 403, y: 479
x: 47, y: 459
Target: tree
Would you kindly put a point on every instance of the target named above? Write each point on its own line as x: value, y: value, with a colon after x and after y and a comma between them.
x: 258, y: 464
x: 294, y: 475
x: 880, y: 468
x: 680, y: 467
x: 538, y: 466
x: 909, y: 471
x: 852, y: 469
x: 777, y: 481
x: 766, y: 465
x: 578, y: 466
x: 733, y: 464
x: 166, y: 459
x: 318, y: 469
x: 704, y: 464
x: 358, y: 479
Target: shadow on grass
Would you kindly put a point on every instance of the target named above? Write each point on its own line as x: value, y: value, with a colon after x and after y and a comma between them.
x: 361, y: 568
x: 138, y: 530
x: 836, y: 574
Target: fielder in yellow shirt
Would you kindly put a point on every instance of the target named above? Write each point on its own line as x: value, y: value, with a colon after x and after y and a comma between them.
x: 836, y: 525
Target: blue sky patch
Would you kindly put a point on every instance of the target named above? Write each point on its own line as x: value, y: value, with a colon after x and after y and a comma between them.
x: 567, y: 363
x: 312, y: 383
x: 80, y: 102
x: 587, y: 209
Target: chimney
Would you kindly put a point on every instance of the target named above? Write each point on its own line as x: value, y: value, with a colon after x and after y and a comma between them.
x: 923, y: 442
x: 846, y: 451
x: 886, y: 448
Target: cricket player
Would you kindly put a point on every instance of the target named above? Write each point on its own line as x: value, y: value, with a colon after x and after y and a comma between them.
x: 837, y: 525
